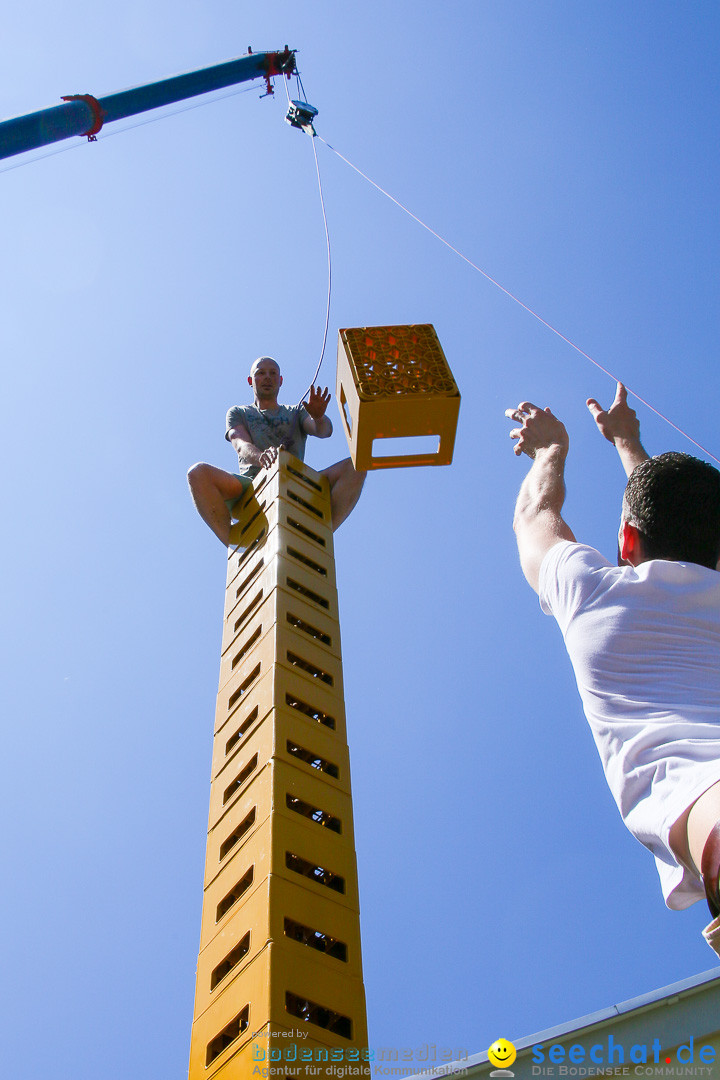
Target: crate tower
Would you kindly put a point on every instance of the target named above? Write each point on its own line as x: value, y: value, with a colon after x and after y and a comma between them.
x: 279, y: 977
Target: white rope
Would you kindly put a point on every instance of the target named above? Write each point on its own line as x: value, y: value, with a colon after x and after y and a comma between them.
x: 516, y: 300
x: 329, y: 263
x: 313, y: 136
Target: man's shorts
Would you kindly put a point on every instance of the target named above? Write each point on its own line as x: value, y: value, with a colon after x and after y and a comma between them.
x: 246, y: 481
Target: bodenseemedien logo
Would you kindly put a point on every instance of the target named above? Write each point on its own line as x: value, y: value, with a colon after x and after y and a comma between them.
x: 502, y: 1054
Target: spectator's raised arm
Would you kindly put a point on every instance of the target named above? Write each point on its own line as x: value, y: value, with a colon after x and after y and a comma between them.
x: 538, y: 520
x: 620, y: 426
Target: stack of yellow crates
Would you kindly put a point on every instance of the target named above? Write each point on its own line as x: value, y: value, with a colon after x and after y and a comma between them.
x: 279, y: 978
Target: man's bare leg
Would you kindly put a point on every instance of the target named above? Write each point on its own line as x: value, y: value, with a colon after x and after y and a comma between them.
x: 209, y: 488
x: 345, y: 486
x: 703, y: 817
x: 689, y: 833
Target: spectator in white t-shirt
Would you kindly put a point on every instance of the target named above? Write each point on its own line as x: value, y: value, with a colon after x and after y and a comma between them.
x: 643, y: 637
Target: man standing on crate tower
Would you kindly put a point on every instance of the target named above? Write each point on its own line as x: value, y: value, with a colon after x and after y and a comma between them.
x: 258, y: 432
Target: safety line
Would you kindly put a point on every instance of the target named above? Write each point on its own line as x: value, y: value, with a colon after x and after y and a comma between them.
x: 329, y: 262
x: 313, y: 136
x: 516, y: 300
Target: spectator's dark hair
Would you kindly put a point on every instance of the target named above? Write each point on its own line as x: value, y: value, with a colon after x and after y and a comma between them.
x: 673, y: 500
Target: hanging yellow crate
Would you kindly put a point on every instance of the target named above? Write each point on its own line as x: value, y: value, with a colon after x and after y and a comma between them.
x: 394, y: 383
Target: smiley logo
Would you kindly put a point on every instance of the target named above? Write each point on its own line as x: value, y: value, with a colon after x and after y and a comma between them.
x: 502, y: 1053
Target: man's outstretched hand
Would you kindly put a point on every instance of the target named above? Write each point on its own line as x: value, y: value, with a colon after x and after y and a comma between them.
x: 538, y: 521
x: 540, y: 430
x: 620, y: 426
x: 317, y: 402
x: 619, y: 421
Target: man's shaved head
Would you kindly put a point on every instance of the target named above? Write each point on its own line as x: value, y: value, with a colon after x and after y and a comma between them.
x: 263, y: 360
x: 265, y: 380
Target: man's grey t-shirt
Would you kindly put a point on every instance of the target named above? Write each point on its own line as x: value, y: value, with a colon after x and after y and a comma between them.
x: 269, y: 427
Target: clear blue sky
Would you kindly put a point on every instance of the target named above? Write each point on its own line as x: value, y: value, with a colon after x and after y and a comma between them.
x: 570, y: 149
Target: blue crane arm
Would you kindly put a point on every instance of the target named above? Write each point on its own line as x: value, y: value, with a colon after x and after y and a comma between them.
x: 84, y: 114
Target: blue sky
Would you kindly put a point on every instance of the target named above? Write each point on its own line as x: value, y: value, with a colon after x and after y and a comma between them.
x: 568, y: 149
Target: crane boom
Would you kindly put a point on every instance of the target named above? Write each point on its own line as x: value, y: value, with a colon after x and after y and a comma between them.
x: 82, y: 114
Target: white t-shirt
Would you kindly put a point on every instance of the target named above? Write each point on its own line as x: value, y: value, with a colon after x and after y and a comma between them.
x: 645, y: 647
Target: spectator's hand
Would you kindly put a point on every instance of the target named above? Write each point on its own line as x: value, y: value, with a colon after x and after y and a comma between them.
x: 540, y: 430
x: 318, y: 402
x: 620, y: 422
